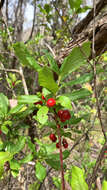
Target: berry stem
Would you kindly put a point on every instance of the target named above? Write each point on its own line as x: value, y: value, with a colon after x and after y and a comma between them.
x: 61, y: 159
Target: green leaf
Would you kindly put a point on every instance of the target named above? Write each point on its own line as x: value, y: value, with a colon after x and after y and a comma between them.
x: 15, y: 148
x: 104, y: 186
x: 30, y: 145
x: 26, y: 159
x: 42, y: 116
x: 74, y: 120
x: 16, y: 109
x: 56, y: 156
x: 34, y: 186
x: 52, y: 63
x: 57, y: 182
x: 14, y: 165
x: 5, y: 156
x: 80, y: 80
x: 75, y: 59
x: 24, y: 56
x: 40, y: 171
x: 15, y: 173
x: 54, y: 164
x: 46, y: 79
x: 4, y: 129
x: 65, y: 102
x: 1, y: 170
x: 79, y: 94
x: 28, y: 99
x: 75, y: 4
x: 4, y: 103
x: 78, y: 180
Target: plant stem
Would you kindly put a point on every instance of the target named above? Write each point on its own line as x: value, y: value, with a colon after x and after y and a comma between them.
x: 61, y: 160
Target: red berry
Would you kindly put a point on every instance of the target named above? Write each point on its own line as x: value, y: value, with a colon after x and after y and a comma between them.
x: 57, y: 145
x: 51, y: 102
x: 58, y: 126
x: 65, y: 144
x: 60, y: 112
x: 0, y: 132
x: 65, y: 126
x: 62, y: 119
x: 43, y: 98
x: 13, y: 84
x: 40, y: 102
x: 64, y: 141
x: 52, y: 137
x: 66, y: 115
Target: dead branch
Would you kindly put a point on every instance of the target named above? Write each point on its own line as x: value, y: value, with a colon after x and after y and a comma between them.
x: 84, y: 23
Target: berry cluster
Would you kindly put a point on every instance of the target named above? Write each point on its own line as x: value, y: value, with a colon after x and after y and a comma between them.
x: 50, y: 102
x: 53, y: 138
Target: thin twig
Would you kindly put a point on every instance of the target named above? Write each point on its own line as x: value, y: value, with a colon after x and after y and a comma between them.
x: 61, y: 158
x: 95, y: 74
x: 51, y: 50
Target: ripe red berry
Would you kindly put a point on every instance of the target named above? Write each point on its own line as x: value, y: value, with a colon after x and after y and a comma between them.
x: 57, y: 145
x: 52, y: 137
x: 51, y: 102
x: 13, y: 84
x: 65, y: 126
x: 64, y: 141
x: 0, y: 132
x: 60, y: 112
x: 58, y: 126
x: 40, y: 102
x: 62, y: 119
x: 43, y: 98
x: 65, y: 144
x: 66, y: 115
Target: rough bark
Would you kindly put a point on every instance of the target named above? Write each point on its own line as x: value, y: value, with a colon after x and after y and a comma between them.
x: 87, y: 35
x: 83, y: 24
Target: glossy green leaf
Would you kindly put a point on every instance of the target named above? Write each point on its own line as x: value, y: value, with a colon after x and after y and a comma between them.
x: 57, y: 182
x: 75, y: 4
x: 54, y: 164
x: 14, y: 165
x: 78, y: 180
x: 75, y: 59
x: 28, y: 99
x: 42, y: 116
x: 46, y: 79
x: 52, y: 63
x: 80, y: 80
x: 15, y: 173
x: 4, y: 103
x: 74, y: 120
x: 64, y: 101
x: 26, y: 159
x: 1, y: 170
x: 4, y: 129
x: 24, y: 56
x: 56, y: 156
x: 40, y: 171
x: 79, y: 94
x: 34, y: 186
x: 18, y: 146
x: 5, y: 156
x: 104, y: 186
x: 16, y: 109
